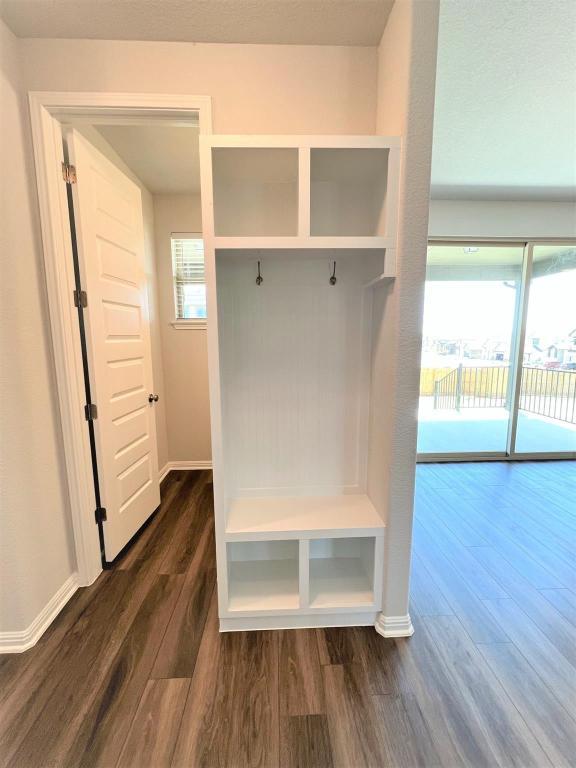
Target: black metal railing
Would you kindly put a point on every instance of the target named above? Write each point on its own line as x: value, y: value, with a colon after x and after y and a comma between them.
x: 543, y: 391
x: 472, y: 387
x: 549, y: 392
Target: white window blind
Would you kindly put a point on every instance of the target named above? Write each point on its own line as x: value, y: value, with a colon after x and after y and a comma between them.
x: 189, y: 277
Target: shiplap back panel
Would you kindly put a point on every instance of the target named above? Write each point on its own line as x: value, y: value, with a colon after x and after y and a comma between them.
x: 295, y: 371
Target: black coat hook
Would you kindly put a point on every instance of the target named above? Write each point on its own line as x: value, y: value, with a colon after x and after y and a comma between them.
x: 333, y: 275
x: 259, y: 279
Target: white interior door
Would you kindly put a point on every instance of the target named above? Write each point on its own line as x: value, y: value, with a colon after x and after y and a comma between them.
x: 109, y: 231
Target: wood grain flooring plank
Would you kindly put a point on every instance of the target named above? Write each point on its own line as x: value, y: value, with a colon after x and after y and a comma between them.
x: 426, y: 597
x: 531, y: 514
x: 231, y: 716
x: 355, y: 736
x: 558, y: 630
x: 22, y: 673
x: 336, y: 646
x: 470, y: 609
x: 170, y: 489
x: 152, y: 735
x: 544, y: 715
x: 435, y: 507
x: 366, y: 653
x: 439, y: 536
x: 301, y: 688
x: 564, y: 600
x: 378, y: 657
x: 98, y: 714
x: 31, y: 720
x: 554, y: 558
x: 536, y: 648
x: 305, y: 741
x: 496, y: 719
x: 176, y: 517
x: 487, y: 524
x: 431, y: 697
x: 189, y: 528
x: 99, y: 740
x: 179, y: 648
x: 406, y: 738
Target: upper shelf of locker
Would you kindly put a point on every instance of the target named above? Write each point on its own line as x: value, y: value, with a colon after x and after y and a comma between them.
x: 300, y: 191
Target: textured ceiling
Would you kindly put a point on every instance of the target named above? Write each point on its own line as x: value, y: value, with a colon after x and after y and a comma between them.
x: 296, y: 22
x: 164, y: 158
x: 505, y: 116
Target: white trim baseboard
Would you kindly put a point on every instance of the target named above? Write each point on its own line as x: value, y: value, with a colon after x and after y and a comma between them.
x: 163, y: 472
x: 22, y: 640
x: 394, y: 626
x: 180, y: 465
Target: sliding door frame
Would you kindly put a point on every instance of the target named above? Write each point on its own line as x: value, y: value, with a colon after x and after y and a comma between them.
x: 517, y: 357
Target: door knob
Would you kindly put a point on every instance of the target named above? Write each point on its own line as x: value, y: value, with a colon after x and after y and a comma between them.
x: 152, y: 398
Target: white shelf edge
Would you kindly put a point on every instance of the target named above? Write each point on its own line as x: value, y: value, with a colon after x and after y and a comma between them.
x: 296, y: 242
x: 279, y: 141
x: 313, y: 533
x: 269, y: 518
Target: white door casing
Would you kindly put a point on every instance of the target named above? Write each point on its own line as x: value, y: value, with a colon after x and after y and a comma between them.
x: 109, y: 231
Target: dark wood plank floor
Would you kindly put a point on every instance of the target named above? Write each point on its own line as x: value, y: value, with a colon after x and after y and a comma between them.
x: 135, y: 673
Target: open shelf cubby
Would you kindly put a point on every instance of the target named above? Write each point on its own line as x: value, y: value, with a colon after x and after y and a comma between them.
x: 255, y: 191
x: 263, y: 575
x: 348, y: 191
x: 341, y: 573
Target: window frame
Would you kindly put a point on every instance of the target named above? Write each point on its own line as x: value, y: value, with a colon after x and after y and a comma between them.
x: 184, y: 323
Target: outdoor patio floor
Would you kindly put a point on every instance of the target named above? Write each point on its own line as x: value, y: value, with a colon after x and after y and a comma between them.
x: 475, y: 430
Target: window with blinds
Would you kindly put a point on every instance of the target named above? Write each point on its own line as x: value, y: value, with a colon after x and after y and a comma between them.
x: 189, y: 277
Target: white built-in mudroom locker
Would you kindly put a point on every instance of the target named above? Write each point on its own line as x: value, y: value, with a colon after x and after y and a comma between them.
x: 299, y: 232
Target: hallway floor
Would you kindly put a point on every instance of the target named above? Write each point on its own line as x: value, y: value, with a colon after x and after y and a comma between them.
x: 135, y: 673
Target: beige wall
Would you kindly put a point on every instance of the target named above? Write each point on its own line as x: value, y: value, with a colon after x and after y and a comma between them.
x: 255, y: 88
x: 36, y: 552
x: 184, y: 352
x: 501, y: 218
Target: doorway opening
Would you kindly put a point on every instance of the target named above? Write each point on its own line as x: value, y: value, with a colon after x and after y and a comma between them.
x: 119, y: 186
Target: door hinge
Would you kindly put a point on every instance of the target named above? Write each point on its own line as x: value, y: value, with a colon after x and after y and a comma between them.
x: 69, y: 173
x: 100, y: 514
x: 90, y: 411
x: 80, y: 298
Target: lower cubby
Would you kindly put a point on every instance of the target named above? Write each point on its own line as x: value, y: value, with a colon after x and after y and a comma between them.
x: 341, y: 573
x: 263, y: 576
x: 307, y: 576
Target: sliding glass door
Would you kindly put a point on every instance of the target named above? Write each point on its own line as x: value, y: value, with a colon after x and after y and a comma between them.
x: 498, y: 374
x: 471, y: 303
x: 547, y: 398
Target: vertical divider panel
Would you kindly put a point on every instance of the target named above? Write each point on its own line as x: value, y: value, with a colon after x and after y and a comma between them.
x: 304, y: 573
x: 304, y: 182
x: 378, y: 570
x: 393, y: 194
x: 218, y: 473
